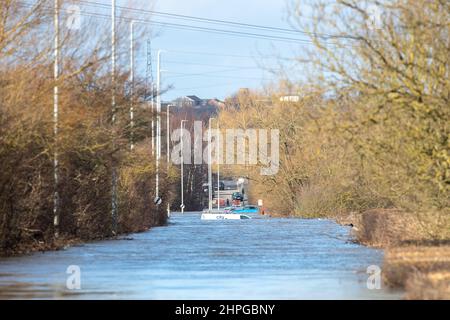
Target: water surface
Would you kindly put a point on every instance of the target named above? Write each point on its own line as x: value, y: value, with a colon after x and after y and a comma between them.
x: 264, y: 258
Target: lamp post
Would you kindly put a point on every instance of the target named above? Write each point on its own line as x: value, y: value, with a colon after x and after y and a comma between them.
x: 158, y: 200
x: 218, y: 165
x: 158, y: 122
x: 153, y: 117
x: 182, y: 165
x: 55, y: 122
x: 168, y: 135
x: 132, y: 85
x: 209, y: 167
x: 113, y: 109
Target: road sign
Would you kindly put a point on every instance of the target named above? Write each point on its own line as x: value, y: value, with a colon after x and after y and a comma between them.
x: 157, y: 201
x: 182, y: 206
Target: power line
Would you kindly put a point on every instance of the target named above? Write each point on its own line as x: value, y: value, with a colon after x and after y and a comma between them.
x: 199, y: 28
x: 206, y: 87
x: 206, y: 64
x: 205, y: 20
x: 217, y: 54
x: 208, y: 74
x: 213, y: 30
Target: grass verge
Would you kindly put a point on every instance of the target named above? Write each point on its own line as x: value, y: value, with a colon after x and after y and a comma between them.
x: 414, y: 260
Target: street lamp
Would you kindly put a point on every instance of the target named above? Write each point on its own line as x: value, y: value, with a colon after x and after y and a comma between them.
x: 168, y: 133
x: 218, y: 165
x: 55, y: 121
x: 132, y: 84
x: 209, y: 166
x: 158, y: 200
x: 158, y: 125
x: 182, y: 165
x: 113, y: 109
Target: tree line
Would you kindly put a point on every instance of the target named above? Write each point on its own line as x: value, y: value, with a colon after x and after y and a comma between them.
x: 86, y: 153
x: 369, y: 125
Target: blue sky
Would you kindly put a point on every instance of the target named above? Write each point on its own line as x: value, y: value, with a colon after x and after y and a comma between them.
x: 209, y: 76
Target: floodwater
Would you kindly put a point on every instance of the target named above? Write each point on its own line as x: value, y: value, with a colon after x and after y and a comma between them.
x: 261, y: 258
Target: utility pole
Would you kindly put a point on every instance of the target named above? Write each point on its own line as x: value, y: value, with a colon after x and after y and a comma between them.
x: 168, y: 149
x: 209, y: 166
x: 55, y: 122
x: 158, y: 120
x: 150, y: 83
x: 132, y: 85
x: 113, y: 107
x: 153, y: 118
x: 218, y: 165
x: 168, y: 135
x: 182, y: 166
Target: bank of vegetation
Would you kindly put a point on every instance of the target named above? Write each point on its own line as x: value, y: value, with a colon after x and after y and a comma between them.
x: 364, y: 135
x: 88, y: 144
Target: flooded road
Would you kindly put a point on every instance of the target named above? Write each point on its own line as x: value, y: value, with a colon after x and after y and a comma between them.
x: 266, y: 258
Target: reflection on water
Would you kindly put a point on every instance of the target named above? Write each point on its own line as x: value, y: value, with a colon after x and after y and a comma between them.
x: 194, y: 259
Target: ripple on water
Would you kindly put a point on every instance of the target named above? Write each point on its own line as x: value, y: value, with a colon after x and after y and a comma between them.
x: 193, y: 259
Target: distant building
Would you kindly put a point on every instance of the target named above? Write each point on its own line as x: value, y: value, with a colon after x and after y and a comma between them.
x: 195, y: 102
x: 187, y: 101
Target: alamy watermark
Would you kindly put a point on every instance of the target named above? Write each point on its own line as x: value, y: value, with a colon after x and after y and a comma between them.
x: 228, y: 146
x: 73, y: 281
x: 374, y: 279
x: 74, y: 19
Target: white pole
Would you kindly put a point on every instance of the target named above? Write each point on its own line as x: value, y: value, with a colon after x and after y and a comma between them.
x: 209, y: 167
x: 113, y: 59
x: 132, y: 84
x: 218, y: 165
x: 153, y: 116
x: 152, y: 93
x: 55, y: 122
x: 182, y: 165
x: 158, y: 120
x: 113, y: 107
x: 168, y: 135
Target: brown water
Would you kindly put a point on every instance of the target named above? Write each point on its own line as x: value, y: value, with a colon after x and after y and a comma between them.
x: 193, y: 259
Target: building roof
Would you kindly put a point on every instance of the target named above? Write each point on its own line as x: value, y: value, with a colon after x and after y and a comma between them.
x: 198, y: 103
x: 194, y: 98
